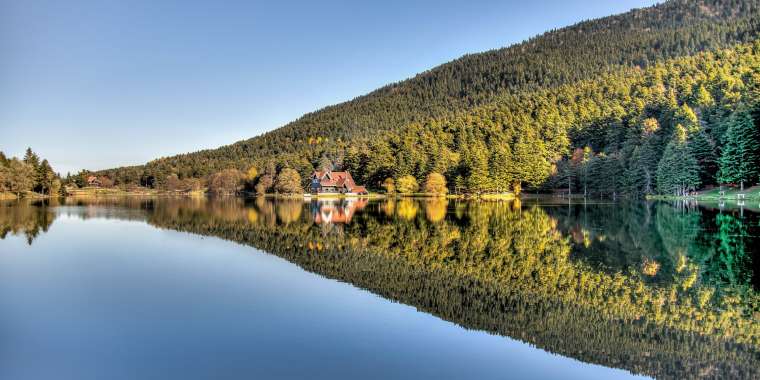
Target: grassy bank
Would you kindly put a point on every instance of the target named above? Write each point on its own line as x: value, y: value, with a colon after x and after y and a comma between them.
x: 716, y: 194
x: 7, y: 196
x: 143, y: 191
x: 101, y: 191
x: 488, y: 196
x: 115, y: 191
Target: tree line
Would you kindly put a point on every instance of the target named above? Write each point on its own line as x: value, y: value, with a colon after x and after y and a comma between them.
x: 29, y: 174
x: 463, y: 107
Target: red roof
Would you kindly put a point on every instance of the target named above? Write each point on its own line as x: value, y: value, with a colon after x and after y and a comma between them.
x: 337, y: 179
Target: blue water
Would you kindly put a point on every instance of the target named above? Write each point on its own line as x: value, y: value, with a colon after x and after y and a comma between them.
x: 116, y: 298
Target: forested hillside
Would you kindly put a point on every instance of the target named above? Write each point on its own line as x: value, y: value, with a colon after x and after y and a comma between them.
x: 617, y: 86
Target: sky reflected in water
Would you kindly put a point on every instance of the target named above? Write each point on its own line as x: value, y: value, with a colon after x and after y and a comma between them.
x: 115, y: 290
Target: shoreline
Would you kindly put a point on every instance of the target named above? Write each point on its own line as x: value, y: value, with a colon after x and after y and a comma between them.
x: 104, y: 193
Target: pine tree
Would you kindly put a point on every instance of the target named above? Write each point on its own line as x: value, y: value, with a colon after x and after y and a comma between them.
x: 685, y: 116
x: 607, y: 174
x: 4, y: 177
x: 678, y: 170
x: 642, y: 165
x: 501, y: 155
x: 475, y: 165
x: 325, y: 163
x: 33, y: 160
x: 741, y: 152
x: 642, y: 160
x: 459, y: 184
x: 703, y: 150
x: 702, y: 97
x: 530, y: 164
x: 584, y: 168
x: 45, y: 177
x: 566, y: 173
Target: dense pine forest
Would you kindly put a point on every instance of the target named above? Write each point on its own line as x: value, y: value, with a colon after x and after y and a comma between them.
x: 657, y: 100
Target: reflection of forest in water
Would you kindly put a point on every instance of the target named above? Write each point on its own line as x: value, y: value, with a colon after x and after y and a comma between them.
x: 625, y: 237
x: 659, y: 289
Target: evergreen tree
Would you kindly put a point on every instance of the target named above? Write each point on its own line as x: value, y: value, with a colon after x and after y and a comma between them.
x: 606, y: 174
x: 739, y: 159
x: 703, y: 151
x: 459, y: 184
x: 475, y: 165
x: 678, y: 170
x: 4, y: 178
x: 33, y: 160
x: 583, y: 169
x: 642, y: 163
x: 702, y: 97
x: 380, y: 164
x: 685, y: 116
x: 45, y: 177
x: 530, y: 164
x: 325, y: 163
x: 566, y: 173
x: 501, y: 156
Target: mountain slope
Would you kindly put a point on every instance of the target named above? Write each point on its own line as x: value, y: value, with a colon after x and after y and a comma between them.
x: 635, y: 39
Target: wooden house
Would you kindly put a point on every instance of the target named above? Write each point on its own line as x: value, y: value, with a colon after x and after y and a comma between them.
x: 330, y: 182
x: 93, y: 181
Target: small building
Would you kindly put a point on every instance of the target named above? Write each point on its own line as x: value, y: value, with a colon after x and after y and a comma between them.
x: 330, y: 182
x: 93, y: 181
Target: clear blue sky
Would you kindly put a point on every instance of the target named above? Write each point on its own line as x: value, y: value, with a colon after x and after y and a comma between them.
x: 98, y: 84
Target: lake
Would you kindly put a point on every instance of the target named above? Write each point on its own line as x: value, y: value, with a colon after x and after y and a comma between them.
x: 196, y: 288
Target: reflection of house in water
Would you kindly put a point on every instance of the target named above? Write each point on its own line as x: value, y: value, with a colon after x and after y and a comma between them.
x: 336, y: 211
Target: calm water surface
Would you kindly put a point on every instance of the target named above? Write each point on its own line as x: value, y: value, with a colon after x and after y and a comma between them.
x: 234, y: 288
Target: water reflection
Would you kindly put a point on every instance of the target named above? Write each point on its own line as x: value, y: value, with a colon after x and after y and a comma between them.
x: 664, y: 240
x: 26, y: 218
x: 334, y: 211
x: 668, y: 290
